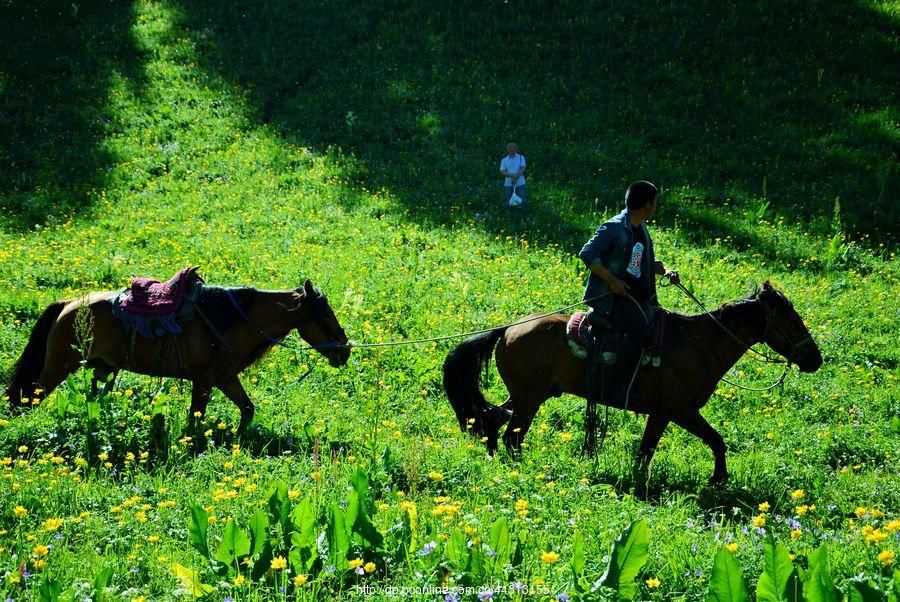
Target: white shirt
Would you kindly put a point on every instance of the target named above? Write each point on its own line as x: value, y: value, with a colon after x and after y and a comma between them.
x: 512, y: 165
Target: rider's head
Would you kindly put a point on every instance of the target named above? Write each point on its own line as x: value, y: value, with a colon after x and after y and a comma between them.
x: 640, y: 198
x: 639, y: 194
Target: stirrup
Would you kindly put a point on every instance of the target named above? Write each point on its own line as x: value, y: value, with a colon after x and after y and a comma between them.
x: 653, y: 361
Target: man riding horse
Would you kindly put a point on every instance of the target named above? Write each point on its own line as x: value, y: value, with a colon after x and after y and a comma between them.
x: 621, y: 261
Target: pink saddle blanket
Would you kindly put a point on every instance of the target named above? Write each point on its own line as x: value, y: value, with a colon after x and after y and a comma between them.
x: 150, y: 297
x: 578, y: 328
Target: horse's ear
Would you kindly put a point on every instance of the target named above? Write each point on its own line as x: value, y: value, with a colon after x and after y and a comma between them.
x: 767, y: 287
x: 308, y: 288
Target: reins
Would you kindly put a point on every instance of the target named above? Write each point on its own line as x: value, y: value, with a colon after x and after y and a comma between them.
x: 437, y: 339
x: 766, y: 358
x: 749, y: 348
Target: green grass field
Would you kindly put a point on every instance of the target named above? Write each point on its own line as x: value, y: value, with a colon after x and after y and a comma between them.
x: 358, y: 145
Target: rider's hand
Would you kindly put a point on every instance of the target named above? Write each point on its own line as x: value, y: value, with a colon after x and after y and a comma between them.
x: 618, y: 286
x: 673, y: 276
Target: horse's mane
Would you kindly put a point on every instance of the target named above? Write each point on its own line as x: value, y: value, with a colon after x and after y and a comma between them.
x: 215, y: 304
x: 737, y: 304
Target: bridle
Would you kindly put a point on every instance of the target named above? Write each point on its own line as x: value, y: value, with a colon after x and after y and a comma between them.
x: 317, y: 306
x: 772, y: 326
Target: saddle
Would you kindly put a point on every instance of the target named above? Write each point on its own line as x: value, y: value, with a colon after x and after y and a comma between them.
x: 586, y: 339
x: 155, y: 308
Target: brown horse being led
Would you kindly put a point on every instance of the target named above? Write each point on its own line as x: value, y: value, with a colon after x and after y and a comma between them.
x: 242, y: 325
x: 535, y: 362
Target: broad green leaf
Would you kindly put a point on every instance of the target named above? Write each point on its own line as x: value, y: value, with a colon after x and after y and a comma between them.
x: 190, y: 580
x: 519, y: 554
x: 578, y: 558
x: 351, y: 510
x: 102, y: 579
x: 197, y: 528
x: 304, y: 521
x: 628, y: 556
x: 280, y: 505
x: 500, y: 543
x: 259, y: 525
x: 727, y: 581
x: 360, y: 482
x: 411, y: 524
x: 862, y: 589
x: 234, y: 545
x: 338, y: 539
x: 49, y: 591
x: 475, y: 565
x: 263, y: 562
x: 779, y: 580
x: 456, y: 550
x: 303, y: 539
x: 365, y: 528
x: 819, y: 587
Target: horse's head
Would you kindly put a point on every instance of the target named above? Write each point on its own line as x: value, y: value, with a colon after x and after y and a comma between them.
x: 785, y: 331
x: 320, y: 327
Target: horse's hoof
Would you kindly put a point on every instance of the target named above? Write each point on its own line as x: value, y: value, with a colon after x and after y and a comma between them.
x: 718, y: 479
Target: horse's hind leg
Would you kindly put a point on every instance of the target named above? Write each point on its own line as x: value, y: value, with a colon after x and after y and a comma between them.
x: 500, y: 415
x: 697, y: 425
x: 234, y: 390
x: 523, y: 415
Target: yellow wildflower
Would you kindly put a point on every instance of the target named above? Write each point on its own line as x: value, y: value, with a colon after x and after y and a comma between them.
x: 653, y: 582
x: 20, y: 512
x: 731, y: 547
x: 300, y: 580
x: 41, y: 550
x: 760, y: 521
x: 370, y: 567
x: 549, y: 557
x: 278, y: 563
x: 764, y: 507
x: 886, y: 558
x: 355, y: 563
x: 797, y: 494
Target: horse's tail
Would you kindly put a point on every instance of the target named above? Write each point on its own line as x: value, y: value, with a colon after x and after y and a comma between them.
x: 462, y: 369
x: 25, y: 371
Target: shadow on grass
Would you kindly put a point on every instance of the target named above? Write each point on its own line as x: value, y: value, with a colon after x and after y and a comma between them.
x: 58, y: 62
x: 422, y: 97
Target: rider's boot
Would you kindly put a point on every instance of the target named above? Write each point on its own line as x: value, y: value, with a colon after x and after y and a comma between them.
x: 629, y: 354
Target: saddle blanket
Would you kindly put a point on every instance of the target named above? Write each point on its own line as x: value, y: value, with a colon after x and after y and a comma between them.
x: 155, y: 308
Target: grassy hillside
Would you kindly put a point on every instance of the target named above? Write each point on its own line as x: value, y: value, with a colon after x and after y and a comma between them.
x: 358, y: 146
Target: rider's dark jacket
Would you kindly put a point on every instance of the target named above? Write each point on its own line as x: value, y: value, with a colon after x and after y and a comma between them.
x: 611, y: 246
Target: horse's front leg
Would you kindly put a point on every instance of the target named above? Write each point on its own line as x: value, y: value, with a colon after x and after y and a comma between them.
x: 234, y: 390
x: 697, y: 425
x: 101, y: 377
x: 199, y: 400
x: 653, y: 431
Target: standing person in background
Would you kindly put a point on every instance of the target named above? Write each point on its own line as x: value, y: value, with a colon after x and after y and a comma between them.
x: 512, y: 167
